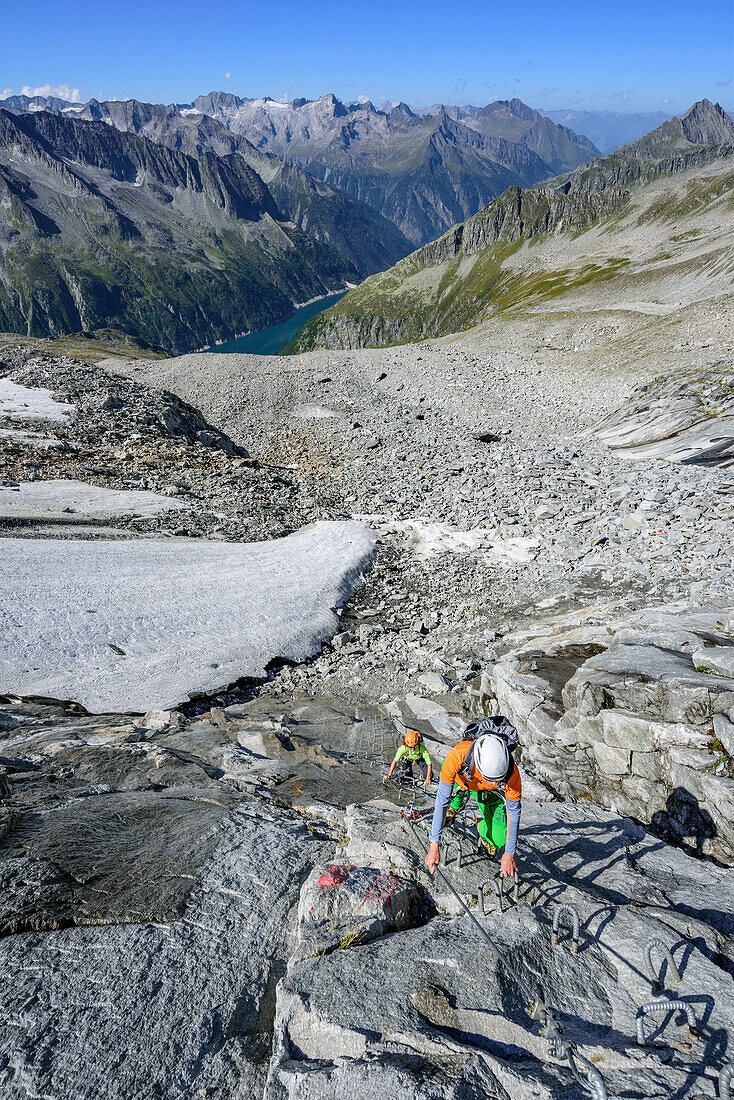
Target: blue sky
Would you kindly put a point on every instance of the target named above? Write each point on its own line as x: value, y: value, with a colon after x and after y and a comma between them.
x: 641, y: 55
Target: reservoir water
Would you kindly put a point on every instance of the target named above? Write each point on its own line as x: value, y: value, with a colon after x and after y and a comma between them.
x: 269, y: 341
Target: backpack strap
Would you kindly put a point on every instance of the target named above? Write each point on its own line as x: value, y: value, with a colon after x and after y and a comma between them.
x: 468, y: 764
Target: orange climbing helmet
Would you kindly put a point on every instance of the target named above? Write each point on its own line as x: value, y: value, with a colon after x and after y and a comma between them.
x: 412, y: 738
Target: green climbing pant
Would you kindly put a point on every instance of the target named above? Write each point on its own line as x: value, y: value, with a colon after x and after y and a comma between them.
x: 492, y: 821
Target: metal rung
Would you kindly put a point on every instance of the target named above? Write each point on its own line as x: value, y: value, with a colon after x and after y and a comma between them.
x: 566, y: 907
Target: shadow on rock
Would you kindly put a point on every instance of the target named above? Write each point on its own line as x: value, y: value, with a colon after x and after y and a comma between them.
x: 682, y: 818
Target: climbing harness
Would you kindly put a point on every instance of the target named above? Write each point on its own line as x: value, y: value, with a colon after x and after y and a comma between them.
x: 550, y: 1028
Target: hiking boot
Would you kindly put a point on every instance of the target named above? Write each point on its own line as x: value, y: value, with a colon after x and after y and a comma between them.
x: 451, y: 814
x: 487, y: 848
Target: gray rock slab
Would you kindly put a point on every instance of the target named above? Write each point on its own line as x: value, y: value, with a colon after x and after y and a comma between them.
x: 114, y: 858
x: 685, y: 417
x: 724, y: 730
x: 431, y: 1012
x: 143, y: 625
x: 166, y: 1007
x: 719, y: 659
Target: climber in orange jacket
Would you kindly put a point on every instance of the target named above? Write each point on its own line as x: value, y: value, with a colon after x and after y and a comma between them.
x: 482, y: 767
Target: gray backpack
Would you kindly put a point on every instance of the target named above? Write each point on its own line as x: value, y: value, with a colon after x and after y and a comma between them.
x: 499, y: 726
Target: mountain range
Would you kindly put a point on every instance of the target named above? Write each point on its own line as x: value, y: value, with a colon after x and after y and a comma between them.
x: 659, y: 210
x: 365, y: 238
x: 188, y: 223
x: 424, y: 172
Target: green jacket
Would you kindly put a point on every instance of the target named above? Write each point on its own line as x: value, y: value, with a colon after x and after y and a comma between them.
x: 420, y: 752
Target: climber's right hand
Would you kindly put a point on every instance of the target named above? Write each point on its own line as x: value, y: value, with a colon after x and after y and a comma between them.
x: 433, y: 858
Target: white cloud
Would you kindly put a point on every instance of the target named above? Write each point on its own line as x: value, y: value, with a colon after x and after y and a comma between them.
x: 666, y: 100
x: 61, y: 91
x: 363, y: 98
x: 227, y: 76
x: 5, y: 93
x: 546, y: 92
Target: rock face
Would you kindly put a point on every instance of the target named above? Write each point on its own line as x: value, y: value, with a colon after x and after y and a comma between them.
x: 187, y: 995
x: 160, y: 897
x: 432, y: 1011
x: 688, y: 417
x: 193, y: 249
x: 629, y: 711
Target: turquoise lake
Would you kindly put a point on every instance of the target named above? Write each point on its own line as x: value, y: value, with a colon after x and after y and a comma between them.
x: 269, y: 341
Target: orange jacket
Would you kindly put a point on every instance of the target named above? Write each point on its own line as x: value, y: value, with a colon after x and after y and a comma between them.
x: 450, y: 773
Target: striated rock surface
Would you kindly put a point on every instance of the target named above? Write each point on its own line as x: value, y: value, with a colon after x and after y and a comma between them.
x: 160, y: 897
x: 432, y: 1012
x: 684, y: 417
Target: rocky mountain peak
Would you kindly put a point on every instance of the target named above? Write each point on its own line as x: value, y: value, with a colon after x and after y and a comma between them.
x: 707, y: 123
x: 328, y: 106
x: 35, y: 103
x: 218, y: 101
x: 367, y: 106
x: 514, y: 107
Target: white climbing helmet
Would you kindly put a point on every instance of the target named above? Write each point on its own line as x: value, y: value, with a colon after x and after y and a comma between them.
x: 491, y: 757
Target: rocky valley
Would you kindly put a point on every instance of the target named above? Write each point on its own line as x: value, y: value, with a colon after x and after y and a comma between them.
x: 229, y: 583
x: 180, y: 250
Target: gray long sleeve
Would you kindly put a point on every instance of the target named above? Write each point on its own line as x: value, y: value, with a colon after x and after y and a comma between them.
x: 514, y: 809
x: 443, y: 797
